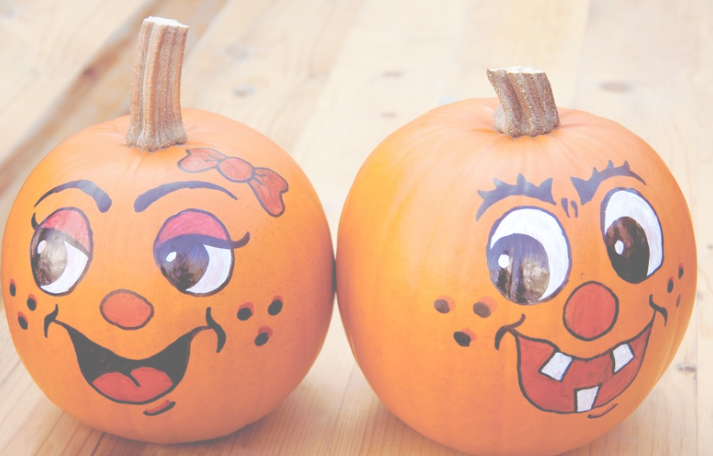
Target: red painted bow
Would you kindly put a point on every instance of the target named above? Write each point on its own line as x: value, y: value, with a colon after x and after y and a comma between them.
x: 267, y: 185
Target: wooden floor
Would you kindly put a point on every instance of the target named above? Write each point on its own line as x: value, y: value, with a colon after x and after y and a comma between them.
x: 327, y: 80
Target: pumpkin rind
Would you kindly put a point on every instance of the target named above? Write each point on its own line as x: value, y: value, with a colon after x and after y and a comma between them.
x: 124, y: 274
x: 441, y: 346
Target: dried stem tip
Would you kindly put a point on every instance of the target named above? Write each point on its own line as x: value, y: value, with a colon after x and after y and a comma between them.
x: 527, y: 106
x: 155, y: 113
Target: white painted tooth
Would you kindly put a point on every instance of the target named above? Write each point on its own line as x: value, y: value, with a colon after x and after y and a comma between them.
x: 557, y: 366
x: 622, y: 355
x: 585, y: 398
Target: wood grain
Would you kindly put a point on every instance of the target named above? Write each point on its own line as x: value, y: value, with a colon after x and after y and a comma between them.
x: 328, y: 80
x: 41, y: 59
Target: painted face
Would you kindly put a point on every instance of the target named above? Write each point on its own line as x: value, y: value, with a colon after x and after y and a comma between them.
x: 165, y: 291
x: 530, y: 253
x: 514, y: 295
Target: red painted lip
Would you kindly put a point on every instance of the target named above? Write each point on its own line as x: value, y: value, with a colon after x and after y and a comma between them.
x: 558, y: 382
x: 141, y: 385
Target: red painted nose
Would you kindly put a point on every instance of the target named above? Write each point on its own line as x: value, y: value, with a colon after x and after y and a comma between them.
x: 591, y: 311
x: 126, y: 309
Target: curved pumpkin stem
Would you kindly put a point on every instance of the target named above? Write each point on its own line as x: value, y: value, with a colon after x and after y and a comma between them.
x: 527, y: 105
x: 155, y: 120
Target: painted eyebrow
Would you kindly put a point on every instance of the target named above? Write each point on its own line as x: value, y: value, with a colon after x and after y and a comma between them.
x: 542, y: 192
x: 587, y: 188
x: 100, y: 197
x: 146, y: 199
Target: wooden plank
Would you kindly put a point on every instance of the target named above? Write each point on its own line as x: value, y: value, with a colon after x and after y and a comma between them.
x: 700, y: 165
x: 412, y: 59
x: 264, y: 62
x: 391, y: 70
x: 700, y: 162
x: 547, y: 35
x: 52, y: 43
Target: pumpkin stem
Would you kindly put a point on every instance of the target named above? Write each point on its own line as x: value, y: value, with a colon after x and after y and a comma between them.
x: 155, y: 120
x: 527, y: 106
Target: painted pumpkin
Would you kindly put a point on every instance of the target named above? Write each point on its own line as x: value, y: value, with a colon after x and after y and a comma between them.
x: 514, y: 279
x: 174, y: 295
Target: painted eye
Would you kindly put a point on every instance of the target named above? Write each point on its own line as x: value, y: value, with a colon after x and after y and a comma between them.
x: 632, y: 235
x: 60, y: 251
x: 528, y: 255
x: 195, y: 253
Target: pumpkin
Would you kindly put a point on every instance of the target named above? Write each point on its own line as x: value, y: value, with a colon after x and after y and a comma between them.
x: 174, y: 295
x: 513, y: 277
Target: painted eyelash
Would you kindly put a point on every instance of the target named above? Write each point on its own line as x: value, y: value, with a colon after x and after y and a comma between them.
x: 211, y: 241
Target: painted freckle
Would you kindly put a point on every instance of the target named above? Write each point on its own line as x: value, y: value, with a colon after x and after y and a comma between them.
x: 481, y: 309
x: 464, y: 337
x: 669, y: 287
x: 31, y: 302
x: 13, y: 288
x: 245, y: 312
x: 261, y: 339
x: 263, y: 335
x: 441, y: 305
x: 22, y: 320
x: 275, y: 307
x: 680, y: 271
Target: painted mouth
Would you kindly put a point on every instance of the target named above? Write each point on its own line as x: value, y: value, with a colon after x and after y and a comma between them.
x: 554, y: 381
x: 134, y: 381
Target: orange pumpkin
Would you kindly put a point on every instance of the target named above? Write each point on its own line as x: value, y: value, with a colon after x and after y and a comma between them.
x: 514, y: 279
x: 174, y: 295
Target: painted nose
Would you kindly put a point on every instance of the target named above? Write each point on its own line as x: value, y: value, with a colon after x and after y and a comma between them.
x: 126, y: 309
x: 590, y: 311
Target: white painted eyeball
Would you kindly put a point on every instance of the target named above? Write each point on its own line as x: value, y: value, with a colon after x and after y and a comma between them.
x: 528, y: 255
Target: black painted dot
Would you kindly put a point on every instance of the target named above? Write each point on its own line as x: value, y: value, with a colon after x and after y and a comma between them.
x: 481, y: 309
x: 680, y: 271
x: 669, y: 287
x: 22, y: 321
x: 261, y: 339
x: 275, y: 307
x: 13, y: 288
x: 442, y: 306
x: 31, y: 303
x: 462, y: 338
x: 245, y: 313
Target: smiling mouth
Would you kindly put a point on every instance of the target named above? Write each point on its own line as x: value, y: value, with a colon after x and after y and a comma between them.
x: 554, y: 381
x: 134, y: 381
